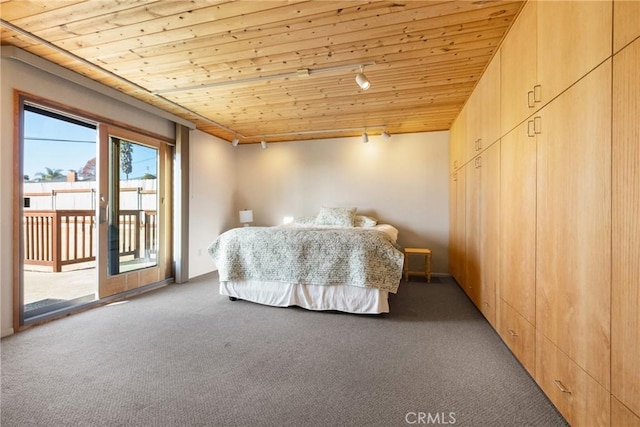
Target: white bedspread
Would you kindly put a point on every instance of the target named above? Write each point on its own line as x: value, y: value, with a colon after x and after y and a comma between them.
x: 362, y: 257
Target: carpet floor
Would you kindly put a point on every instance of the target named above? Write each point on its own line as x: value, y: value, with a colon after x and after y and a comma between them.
x: 184, y: 355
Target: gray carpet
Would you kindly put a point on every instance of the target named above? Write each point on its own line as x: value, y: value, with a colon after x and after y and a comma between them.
x: 186, y: 356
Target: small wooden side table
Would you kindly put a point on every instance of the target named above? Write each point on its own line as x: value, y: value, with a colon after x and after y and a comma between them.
x: 427, y: 262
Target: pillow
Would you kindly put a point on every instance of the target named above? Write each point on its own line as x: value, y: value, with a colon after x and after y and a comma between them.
x: 364, y: 221
x: 304, y: 220
x: 340, y: 217
x: 389, y: 229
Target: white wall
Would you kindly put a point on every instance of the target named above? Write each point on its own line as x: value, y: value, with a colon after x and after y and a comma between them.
x: 17, y: 75
x: 211, y: 200
x: 403, y: 181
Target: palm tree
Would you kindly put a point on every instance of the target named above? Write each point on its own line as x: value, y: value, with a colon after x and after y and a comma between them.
x: 126, y: 153
x: 50, y: 174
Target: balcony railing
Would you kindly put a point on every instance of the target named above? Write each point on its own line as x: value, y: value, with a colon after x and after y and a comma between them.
x: 62, y: 237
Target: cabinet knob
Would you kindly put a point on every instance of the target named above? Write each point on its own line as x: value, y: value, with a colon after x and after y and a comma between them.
x: 512, y: 332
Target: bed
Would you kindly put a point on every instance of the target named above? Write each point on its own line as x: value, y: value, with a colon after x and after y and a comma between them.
x: 325, y: 262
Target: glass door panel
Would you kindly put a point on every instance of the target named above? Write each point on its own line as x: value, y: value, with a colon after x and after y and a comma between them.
x: 132, y: 216
x: 58, y: 241
x: 133, y: 210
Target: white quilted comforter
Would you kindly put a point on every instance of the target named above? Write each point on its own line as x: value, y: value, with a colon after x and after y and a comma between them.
x: 363, y: 257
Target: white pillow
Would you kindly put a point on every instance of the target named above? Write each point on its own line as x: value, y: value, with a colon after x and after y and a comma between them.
x: 364, y: 221
x: 338, y: 217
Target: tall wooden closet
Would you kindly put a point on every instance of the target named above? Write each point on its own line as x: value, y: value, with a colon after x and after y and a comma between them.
x: 559, y: 202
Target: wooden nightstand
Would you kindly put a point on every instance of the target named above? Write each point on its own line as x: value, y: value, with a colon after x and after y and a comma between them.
x: 427, y: 262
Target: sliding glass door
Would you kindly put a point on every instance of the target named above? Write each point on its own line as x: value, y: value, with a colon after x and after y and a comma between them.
x: 133, y: 210
x: 93, y: 209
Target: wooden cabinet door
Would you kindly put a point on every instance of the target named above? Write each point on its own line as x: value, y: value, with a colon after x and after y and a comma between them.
x: 625, y: 292
x: 472, y: 231
x: 519, y: 335
x: 518, y: 69
x: 456, y: 141
x: 489, y: 230
x: 453, y: 224
x: 483, y: 111
x: 518, y: 222
x: 474, y: 122
x: 626, y: 23
x: 457, y: 242
x: 573, y: 252
x: 489, y: 89
x: 578, y: 397
x: 622, y: 416
x: 575, y: 34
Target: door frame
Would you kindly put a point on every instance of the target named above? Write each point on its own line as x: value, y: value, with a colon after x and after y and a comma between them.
x: 19, y: 99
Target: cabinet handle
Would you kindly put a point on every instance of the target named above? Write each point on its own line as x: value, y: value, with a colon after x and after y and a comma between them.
x: 531, y: 101
x: 479, y: 144
x: 512, y: 332
x: 537, y: 125
x: 537, y: 93
x: 561, y: 386
x: 530, y: 129
x: 478, y: 162
x: 455, y: 176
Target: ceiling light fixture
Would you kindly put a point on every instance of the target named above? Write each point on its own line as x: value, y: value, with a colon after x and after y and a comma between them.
x: 314, y: 132
x: 385, y: 135
x: 235, y: 141
x: 302, y: 73
x: 362, y: 80
x: 264, y: 144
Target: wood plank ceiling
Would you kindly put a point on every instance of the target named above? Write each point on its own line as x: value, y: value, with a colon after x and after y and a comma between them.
x: 274, y: 70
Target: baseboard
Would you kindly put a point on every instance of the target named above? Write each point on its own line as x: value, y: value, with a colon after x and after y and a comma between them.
x: 213, y: 273
x: 7, y: 332
x: 440, y: 274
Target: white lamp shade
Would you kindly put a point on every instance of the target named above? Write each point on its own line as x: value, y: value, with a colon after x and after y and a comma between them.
x: 246, y: 216
x: 365, y: 137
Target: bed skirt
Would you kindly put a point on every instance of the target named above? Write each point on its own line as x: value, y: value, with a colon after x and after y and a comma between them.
x: 350, y: 299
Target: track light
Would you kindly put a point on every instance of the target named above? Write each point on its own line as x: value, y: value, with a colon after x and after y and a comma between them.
x: 365, y: 137
x: 235, y: 142
x: 362, y: 80
x: 264, y: 144
x: 386, y: 135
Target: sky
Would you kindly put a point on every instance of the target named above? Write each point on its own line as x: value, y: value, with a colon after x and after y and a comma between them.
x: 57, y: 144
